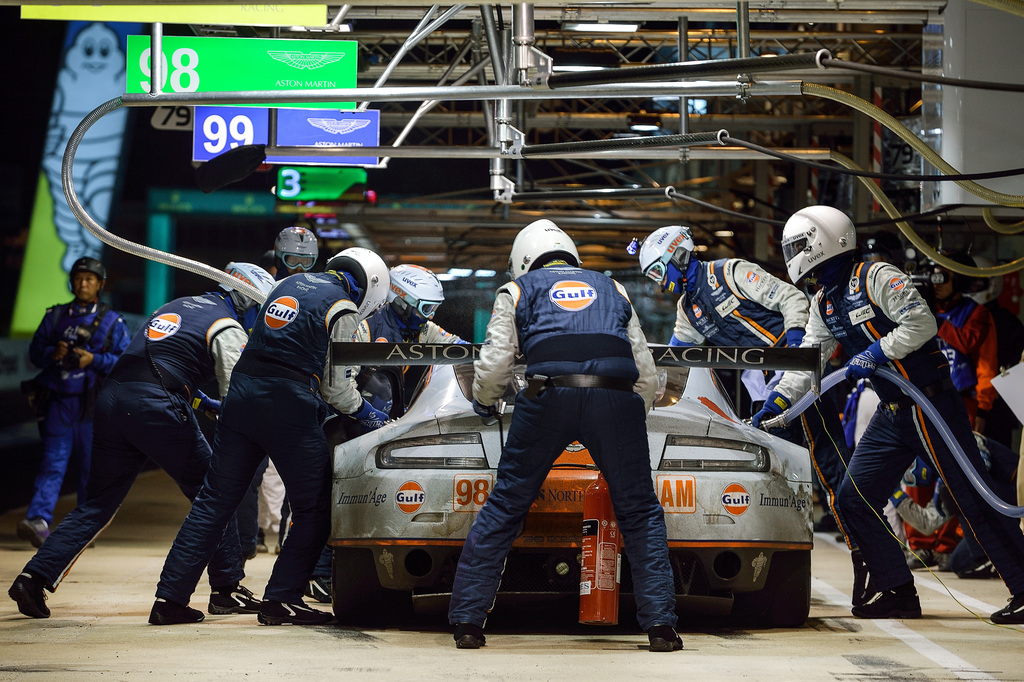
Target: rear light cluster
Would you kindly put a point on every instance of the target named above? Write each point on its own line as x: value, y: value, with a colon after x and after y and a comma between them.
x: 450, y: 450
x: 703, y: 453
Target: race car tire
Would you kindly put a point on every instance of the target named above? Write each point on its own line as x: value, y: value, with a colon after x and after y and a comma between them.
x: 785, y: 600
x: 357, y: 595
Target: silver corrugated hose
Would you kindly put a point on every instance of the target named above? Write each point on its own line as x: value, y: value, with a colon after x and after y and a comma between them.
x: 107, y: 237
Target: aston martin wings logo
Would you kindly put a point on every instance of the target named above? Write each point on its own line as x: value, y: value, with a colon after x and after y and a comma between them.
x: 303, y: 60
x: 339, y: 126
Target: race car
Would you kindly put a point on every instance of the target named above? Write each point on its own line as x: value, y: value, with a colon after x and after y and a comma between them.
x: 738, y: 506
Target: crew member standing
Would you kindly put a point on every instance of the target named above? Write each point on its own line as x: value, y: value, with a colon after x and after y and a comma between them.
x: 733, y: 302
x: 75, y: 345
x: 879, y: 318
x: 275, y: 409
x: 592, y: 379
x: 143, y: 413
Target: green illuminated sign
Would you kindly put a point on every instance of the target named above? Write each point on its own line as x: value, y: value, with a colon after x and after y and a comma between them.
x: 246, y: 65
x: 309, y: 183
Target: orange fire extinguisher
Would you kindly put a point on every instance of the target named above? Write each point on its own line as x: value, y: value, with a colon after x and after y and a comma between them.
x: 601, y: 562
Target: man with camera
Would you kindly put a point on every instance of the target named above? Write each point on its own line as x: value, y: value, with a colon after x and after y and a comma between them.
x: 76, y: 345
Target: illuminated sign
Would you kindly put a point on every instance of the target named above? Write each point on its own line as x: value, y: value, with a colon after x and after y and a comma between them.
x: 246, y: 64
x: 247, y: 15
x: 219, y: 129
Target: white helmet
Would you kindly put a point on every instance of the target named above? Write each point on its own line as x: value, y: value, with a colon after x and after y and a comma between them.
x: 254, y: 276
x: 814, y: 235
x: 414, y: 289
x: 371, y: 276
x: 672, y: 244
x: 295, y: 249
x: 538, y: 239
x: 991, y: 287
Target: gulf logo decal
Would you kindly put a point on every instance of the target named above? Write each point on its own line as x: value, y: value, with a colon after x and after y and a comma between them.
x: 162, y: 326
x: 572, y: 296
x: 735, y: 499
x: 753, y: 277
x: 281, y: 311
x: 410, y: 497
x: 896, y: 283
x: 697, y: 312
x: 829, y: 309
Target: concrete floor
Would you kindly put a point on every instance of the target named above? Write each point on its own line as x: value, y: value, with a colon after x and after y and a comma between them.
x: 98, y: 629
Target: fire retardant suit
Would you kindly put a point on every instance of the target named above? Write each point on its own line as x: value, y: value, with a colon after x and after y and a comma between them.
x: 143, y: 413
x: 866, y: 303
x: 276, y: 407
x: 578, y: 328
x: 967, y: 335
x: 733, y: 302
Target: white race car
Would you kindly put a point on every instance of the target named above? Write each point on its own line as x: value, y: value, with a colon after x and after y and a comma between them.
x: 737, y: 506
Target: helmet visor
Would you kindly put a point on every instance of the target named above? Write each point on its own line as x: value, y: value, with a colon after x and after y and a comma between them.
x: 791, y: 248
x: 296, y: 261
x: 656, y: 271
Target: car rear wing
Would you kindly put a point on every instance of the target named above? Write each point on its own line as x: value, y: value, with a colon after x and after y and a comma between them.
x: 713, y: 357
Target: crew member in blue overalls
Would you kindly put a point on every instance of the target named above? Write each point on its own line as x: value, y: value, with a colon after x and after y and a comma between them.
x: 414, y: 296
x: 879, y: 318
x: 733, y: 302
x: 143, y: 413
x: 591, y: 379
x: 75, y: 345
x: 277, y: 404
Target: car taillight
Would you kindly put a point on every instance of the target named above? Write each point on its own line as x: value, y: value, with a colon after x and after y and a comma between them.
x: 450, y: 450
x: 702, y: 453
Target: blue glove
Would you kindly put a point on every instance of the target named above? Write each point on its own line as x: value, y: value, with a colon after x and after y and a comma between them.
x: 676, y: 341
x: 794, y: 337
x: 207, y: 405
x: 369, y: 417
x: 774, y: 405
x: 897, y: 497
x: 863, y: 364
x: 922, y: 474
x: 488, y: 413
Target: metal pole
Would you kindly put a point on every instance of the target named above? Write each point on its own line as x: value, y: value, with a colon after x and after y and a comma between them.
x: 156, y: 59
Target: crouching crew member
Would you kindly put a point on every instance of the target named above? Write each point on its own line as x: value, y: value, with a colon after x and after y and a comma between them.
x: 879, y: 318
x: 143, y: 413
x: 275, y: 408
x: 592, y: 379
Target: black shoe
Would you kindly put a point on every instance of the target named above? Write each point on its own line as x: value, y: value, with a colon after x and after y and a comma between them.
x: 233, y: 599
x: 34, y: 530
x: 664, y: 638
x: 863, y: 585
x: 921, y: 558
x: 168, y: 613
x: 279, y: 613
x: 469, y: 636
x: 978, y: 571
x: 1011, y: 614
x: 899, y: 602
x: 27, y: 590
x: 319, y: 588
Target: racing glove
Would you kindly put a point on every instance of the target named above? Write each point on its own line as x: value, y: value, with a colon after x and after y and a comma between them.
x: 921, y: 474
x: 676, y: 341
x: 794, y: 337
x: 207, y: 405
x: 369, y: 417
x: 774, y: 405
x: 863, y: 364
x: 487, y: 413
x: 898, y: 497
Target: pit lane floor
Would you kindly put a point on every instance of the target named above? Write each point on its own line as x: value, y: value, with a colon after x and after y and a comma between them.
x: 98, y: 629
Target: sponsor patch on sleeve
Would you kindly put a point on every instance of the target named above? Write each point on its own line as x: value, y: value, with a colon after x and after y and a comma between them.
x: 907, y: 308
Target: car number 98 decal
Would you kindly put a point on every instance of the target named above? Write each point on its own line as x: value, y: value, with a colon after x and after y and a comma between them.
x: 470, y: 491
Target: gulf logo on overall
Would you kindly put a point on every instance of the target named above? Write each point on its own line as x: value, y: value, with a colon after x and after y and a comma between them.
x: 735, y: 499
x: 896, y: 283
x: 697, y: 312
x: 162, y: 326
x: 752, y: 277
x: 829, y: 308
x: 410, y: 497
x: 281, y: 311
x: 572, y: 296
